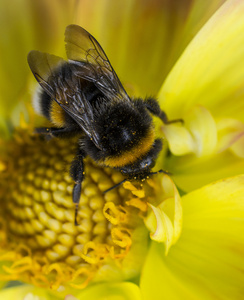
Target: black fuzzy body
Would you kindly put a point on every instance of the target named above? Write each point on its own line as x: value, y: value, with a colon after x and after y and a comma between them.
x: 120, y: 126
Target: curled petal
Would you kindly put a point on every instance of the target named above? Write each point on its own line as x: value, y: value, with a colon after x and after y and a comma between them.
x: 165, y: 220
x: 179, y: 139
x: 164, y: 228
x: 198, y: 134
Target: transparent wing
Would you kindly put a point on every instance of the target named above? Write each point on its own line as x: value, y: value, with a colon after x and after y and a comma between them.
x: 43, y: 66
x: 91, y: 63
x: 51, y: 74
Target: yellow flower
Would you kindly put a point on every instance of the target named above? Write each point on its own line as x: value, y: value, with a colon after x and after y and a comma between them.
x: 195, y: 249
x: 205, y: 88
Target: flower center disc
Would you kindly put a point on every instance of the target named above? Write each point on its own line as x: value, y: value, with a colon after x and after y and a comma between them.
x: 40, y: 243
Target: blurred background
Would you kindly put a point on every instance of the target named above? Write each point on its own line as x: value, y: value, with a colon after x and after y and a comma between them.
x: 142, y: 38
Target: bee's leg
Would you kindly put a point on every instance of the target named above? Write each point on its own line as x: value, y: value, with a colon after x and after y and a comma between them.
x: 154, y: 108
x: 55, y: 132
x: 160, y: 171
x: 115, y: 186
x: 77, y: 173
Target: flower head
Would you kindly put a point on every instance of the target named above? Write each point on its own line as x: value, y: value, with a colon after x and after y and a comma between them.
x: 149, y: 239
x: 40, y: 242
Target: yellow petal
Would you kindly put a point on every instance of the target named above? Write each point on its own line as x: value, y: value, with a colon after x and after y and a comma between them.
x: 114, y: 291
x: 207, y: 262
x: 230, y: 131
x: 70, y: 297
x: 179, y: 139
x: 191, y: 173
x: 231, y: 135
x: 172, y: 206
x: 165, y: 220
x: 197, y: 135
x: 238, y: 147
x: 223, y: 140
x: 25, y: 292
x: 163, y: 231
x: 210, y: 71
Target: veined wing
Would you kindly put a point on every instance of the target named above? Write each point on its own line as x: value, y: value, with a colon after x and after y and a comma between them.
x: 51, y: 73
x: 91, y: 63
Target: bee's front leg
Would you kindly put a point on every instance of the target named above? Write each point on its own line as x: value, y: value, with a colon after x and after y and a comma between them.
x: 77, y: 173
x: 154, y: 108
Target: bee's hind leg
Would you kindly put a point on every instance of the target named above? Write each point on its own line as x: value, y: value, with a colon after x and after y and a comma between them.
x: 77, y: 173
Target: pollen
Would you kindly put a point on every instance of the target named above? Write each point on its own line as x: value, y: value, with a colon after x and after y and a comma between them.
x: 40, y: 243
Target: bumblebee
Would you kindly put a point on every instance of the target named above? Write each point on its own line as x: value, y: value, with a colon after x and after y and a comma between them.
x: 84, y: 96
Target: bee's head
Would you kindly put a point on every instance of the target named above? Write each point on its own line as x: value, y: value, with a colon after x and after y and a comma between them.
x: 142, y: 167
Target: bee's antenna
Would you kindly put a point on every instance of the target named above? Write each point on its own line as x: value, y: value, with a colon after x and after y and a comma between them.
x: 115, y: 186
